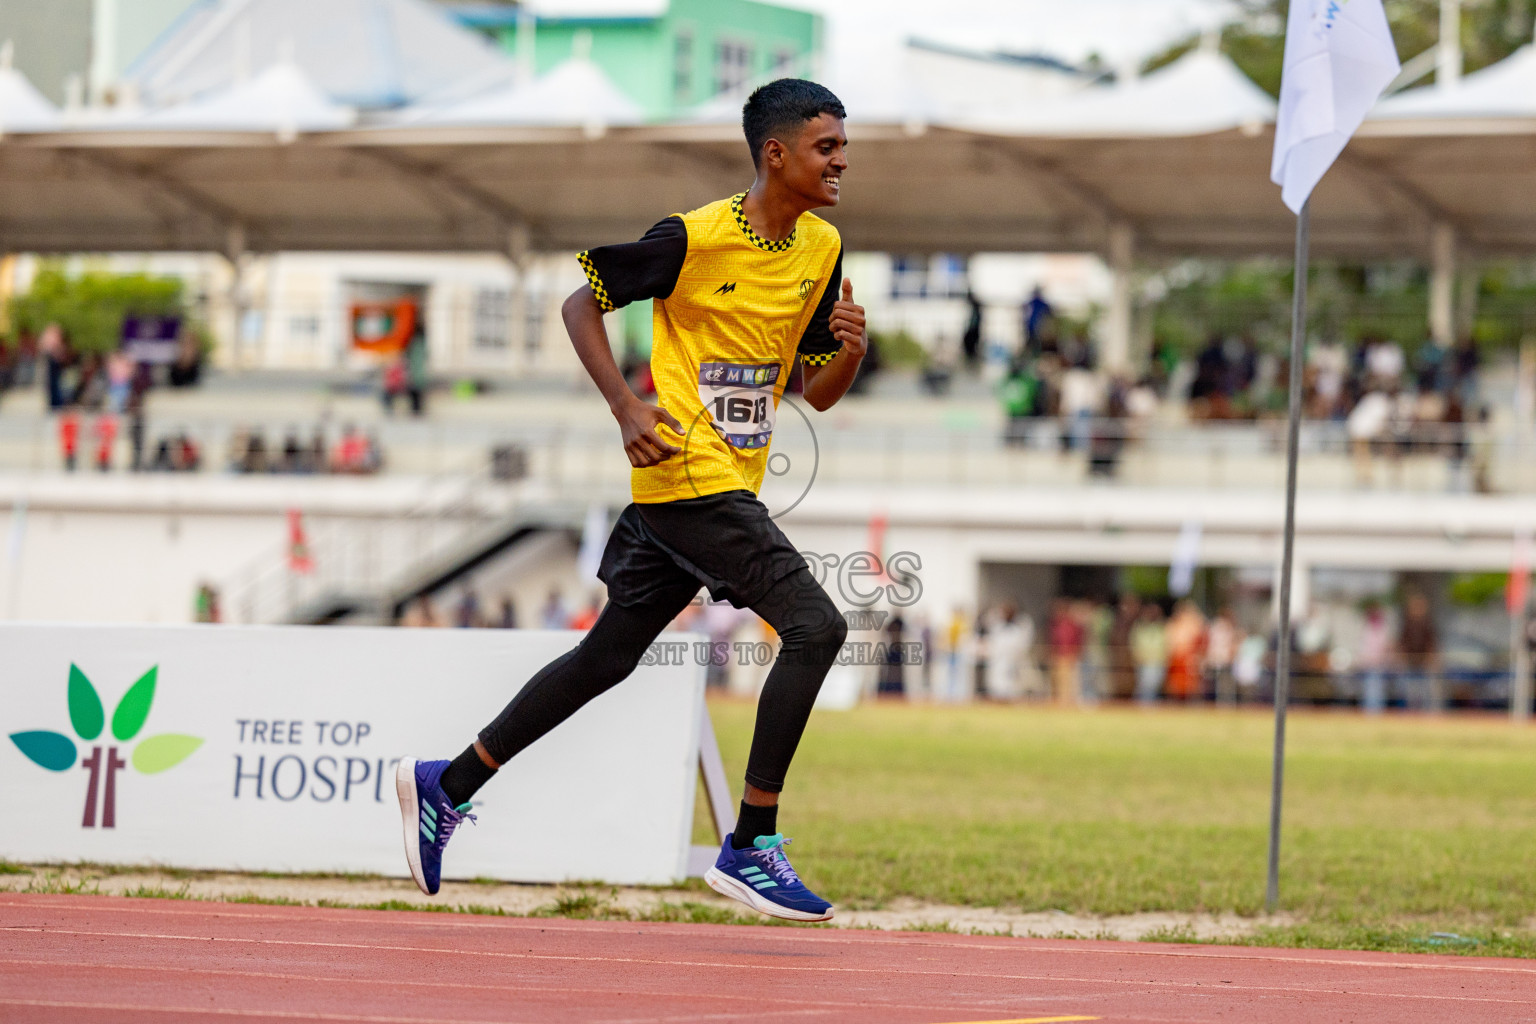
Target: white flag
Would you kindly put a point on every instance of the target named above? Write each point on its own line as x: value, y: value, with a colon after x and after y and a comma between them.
x: 1339, y: 57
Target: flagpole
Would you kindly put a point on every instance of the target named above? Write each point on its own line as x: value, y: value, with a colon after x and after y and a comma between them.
x: 1283, y: 649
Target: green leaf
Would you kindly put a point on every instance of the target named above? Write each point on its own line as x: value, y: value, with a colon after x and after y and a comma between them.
x: 52, y: 750
x: 85, y: 711
x: 131, y: 711
x: 167, y: 750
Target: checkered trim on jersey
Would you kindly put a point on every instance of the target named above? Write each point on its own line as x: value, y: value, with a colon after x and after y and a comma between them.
x: 752, y: 236
x: 603, y: 301
x: 819, y: 359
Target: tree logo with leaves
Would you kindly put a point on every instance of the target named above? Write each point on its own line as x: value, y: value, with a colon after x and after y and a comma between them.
x: 57, y: 752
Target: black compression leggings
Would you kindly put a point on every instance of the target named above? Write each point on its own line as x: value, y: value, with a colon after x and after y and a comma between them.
x: 809, y: 626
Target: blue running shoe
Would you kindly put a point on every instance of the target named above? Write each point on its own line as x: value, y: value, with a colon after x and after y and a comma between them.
x: 427, y: 817
x: 760, y: 877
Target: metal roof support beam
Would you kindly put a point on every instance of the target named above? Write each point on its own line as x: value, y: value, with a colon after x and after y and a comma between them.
x: 1059, y: 178
x: 156, y: 185
x: 434, y: 176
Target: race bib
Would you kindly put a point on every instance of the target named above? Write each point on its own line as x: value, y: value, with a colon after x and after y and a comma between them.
x: 739, y: 401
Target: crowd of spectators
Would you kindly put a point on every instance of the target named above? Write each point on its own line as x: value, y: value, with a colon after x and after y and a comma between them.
x: 1389, y: 403
x: 354, y: 452
x: 1151, y: 651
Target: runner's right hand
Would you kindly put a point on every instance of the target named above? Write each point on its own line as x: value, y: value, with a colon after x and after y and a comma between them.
x: 643, y: 445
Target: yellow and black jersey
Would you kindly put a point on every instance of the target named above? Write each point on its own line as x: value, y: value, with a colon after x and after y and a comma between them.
x: 731, y: 310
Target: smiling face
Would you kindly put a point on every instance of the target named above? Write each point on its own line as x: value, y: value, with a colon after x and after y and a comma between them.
x: 811, y: 165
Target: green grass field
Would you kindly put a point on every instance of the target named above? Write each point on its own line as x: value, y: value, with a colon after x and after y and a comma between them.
x: 1395, y: 828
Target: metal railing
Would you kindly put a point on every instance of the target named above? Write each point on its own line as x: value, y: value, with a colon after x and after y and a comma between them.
x: 583, y: 452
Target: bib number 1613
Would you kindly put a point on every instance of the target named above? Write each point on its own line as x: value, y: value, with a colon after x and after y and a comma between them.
x: 740, y: 410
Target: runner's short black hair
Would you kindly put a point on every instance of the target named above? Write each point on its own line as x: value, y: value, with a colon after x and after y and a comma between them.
x: 780, y: 110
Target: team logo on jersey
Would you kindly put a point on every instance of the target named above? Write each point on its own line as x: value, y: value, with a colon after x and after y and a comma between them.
x: 726, y: 289
x: 806, y: 287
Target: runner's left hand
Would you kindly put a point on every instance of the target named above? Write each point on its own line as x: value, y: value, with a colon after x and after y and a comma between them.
x: 847, y: 323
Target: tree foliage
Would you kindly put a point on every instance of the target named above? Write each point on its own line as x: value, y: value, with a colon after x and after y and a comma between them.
x: 90, y: 307
x: 1490, y: 31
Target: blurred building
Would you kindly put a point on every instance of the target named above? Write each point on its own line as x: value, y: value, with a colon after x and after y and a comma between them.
x: 667, y: 55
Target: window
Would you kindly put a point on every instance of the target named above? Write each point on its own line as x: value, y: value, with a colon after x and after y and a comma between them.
x: 490, y: 318
x: 733, y: 65
x: 940, y: 276
x: 682, y: 66
x: 909, y: 277
x: 784, y: 60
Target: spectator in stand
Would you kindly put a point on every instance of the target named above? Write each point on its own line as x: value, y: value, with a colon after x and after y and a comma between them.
x: 1149, y: 650
x: 466, y: 614
x: 1464, y: 366
x: 1186, y: 651
x: 891, y: 681
x: 416, y: 371
x: 1067, y: 641
x: 959, y: 651
x: 1248, y: 666
x: 507, y: 618
x: 69, y: 438
x: 1384, y: 363
x: 187, y: 370
x: 584, y: 619
x: 351, y: 452
x: 206, y: 604
x: 554, y: 615
x: 119, y: 382
x: 1122, y: 671
x: 1430, y: 366
x: 1330, y: 369
x: 970, y: 338
x: 105, y: 431
x: 1009, y: 636
x: 1107, y: 439
x: 1098, y: 622
x: 292, y: 460
x: 394, y: 383
x: 1208, y: 395
x: 1220, y: 653
x: 1418, y: 650
x: 1082, y: 398
x: 1039, y: 317
x: 421, y: 615
x: 1366, y: 429
x: 255, y: 457
x: 373, y: 460
x: 56, y: 359
x: 1373, y: 659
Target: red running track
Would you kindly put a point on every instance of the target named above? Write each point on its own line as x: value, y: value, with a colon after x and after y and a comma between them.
x: 96, y: 958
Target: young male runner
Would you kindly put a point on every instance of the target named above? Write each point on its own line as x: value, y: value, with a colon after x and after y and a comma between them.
x: 740, y: 287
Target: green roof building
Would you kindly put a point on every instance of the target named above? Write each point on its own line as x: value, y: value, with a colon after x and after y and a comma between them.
x: 667, y: 56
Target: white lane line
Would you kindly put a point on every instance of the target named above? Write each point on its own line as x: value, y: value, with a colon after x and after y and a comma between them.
x: 886, y: 972
x: 832, y: 1005
x: 811, y: 936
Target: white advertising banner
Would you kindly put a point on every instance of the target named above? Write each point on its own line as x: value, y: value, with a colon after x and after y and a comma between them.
x: 273, y: 749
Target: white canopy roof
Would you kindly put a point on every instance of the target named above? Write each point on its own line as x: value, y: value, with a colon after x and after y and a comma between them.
x: 1198, y: 94
x: 575, y: 92
x: 281, y: 100
x: 1503, y: 90
x: 366, y: 53
x: 22, y: 107
x: 1181, y: 158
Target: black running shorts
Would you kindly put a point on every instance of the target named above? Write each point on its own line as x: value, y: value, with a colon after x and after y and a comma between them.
x: 726, y: 542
